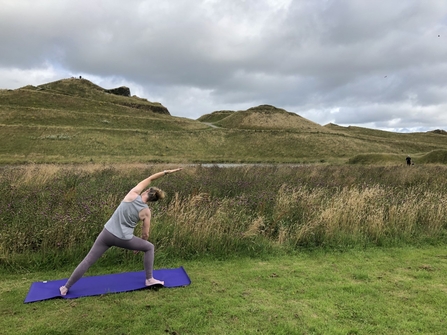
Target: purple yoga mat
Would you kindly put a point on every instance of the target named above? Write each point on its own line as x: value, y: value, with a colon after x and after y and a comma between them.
x: 111, y: 283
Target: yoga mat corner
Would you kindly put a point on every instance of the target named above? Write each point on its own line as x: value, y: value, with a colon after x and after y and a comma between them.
x: 104, y: 284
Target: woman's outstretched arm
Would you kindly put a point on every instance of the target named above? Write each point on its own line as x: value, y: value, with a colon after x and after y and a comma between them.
x: 142, y: 185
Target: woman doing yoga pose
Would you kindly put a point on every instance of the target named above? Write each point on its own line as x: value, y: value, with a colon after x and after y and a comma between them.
x: 118, y: 231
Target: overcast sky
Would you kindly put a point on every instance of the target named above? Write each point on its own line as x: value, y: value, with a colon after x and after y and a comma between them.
x: 378, y: 64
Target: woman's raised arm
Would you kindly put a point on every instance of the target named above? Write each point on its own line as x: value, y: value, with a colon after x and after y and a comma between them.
x: 142, y: 185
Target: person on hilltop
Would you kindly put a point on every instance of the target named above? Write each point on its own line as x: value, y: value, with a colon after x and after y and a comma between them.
x: 118, y: 230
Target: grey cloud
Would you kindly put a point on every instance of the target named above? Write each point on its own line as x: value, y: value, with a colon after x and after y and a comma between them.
x: 376, y: 62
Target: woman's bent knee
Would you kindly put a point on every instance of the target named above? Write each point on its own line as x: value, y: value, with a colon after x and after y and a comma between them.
x: 150, y: 246
x: 141, y: 245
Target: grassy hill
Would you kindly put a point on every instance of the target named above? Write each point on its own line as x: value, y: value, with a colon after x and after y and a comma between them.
x: 264, y: 117
x: 270, y: 118
x: 75, y: 121
x: 215, y: 116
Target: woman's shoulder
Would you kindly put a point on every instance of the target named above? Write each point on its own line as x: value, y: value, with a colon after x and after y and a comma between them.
x: 131, y: 196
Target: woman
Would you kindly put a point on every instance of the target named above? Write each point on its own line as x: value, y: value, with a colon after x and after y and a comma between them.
x: 118, y: 231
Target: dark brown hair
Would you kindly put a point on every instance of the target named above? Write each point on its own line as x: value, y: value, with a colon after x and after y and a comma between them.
x: 154, y: 194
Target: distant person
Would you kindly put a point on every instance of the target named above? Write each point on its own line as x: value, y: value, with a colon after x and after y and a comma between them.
x: 408, y: 159
x: 118, y: 231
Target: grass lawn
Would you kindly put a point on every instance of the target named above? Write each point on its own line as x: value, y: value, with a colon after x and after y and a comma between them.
x: 372, y: 291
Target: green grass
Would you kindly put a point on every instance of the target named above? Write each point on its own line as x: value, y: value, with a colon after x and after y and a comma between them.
x: 373, y: 291
x: 215, y: 116
x: 90, y: 125
x: 266, y: 117
x: 82, y: 92
x: 246, y: 211
x: 280, y: 249
x: 269, y: 249
x: 101, y: 142
x: 99, y: 119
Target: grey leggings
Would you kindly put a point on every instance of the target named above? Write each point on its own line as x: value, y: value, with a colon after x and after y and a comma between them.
x: 103, y: 242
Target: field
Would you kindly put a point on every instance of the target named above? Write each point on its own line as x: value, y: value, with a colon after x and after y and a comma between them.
x: 75, y: 121
x: 246, y: 209
x: 374, y: 291
x: 273, y: 249
x: 328, y: 233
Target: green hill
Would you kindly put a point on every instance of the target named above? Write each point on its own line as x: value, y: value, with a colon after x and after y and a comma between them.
x: 215, y: 116
x: 266, y: 117
x: 434, y: 157
x: 75, y: 121
x: 85, y: 89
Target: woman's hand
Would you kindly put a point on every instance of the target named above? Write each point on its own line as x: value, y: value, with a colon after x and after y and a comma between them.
x: 172, y: 171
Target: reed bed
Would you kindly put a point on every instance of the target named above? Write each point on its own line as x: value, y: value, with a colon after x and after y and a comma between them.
x: 53, y: 213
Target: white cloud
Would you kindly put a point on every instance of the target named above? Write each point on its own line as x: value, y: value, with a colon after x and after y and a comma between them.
x: 378, y: 62
x: 12, y: 78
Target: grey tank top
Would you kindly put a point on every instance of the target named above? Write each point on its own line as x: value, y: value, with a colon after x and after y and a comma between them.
x: 123, y: 221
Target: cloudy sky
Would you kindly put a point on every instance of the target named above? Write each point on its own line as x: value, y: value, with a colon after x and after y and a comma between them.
x: 379, y: 64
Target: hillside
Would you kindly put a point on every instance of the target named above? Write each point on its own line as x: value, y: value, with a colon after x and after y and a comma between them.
x: 80, y: 103
x: 215, y: 116
x: 263, y: 117
x: 75, y: 121
x: 82, y: 88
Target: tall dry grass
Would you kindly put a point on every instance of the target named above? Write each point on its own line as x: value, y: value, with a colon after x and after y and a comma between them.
x: 53, y: 211
x: 374, y: 215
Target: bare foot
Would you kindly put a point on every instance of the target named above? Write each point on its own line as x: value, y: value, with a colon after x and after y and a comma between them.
x: 63, y: 290
x: 153, y: 281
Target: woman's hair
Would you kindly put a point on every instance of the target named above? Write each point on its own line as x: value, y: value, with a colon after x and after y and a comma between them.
x: 155, y: 194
